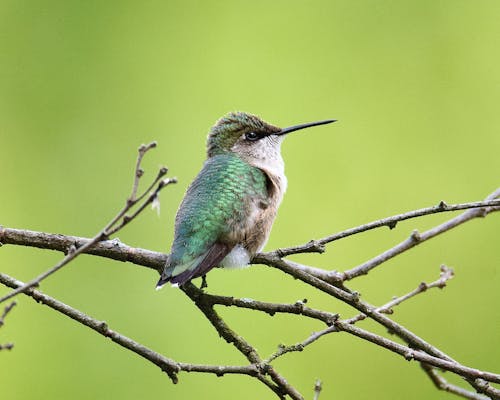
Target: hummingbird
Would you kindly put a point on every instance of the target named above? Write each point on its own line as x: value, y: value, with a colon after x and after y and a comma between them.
x: 228, y: 210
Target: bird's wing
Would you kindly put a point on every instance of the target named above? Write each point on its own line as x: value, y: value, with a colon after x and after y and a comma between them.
x: 215, y: 209
x: 211, y: 258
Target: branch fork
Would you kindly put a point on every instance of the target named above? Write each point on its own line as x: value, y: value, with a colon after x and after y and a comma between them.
x: 117, y: 223
x: 332, y: 283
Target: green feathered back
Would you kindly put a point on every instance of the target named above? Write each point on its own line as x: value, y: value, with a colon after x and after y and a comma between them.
x: 216, y: 203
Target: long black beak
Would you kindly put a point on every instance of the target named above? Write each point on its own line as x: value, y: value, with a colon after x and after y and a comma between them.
x: 284, y: 131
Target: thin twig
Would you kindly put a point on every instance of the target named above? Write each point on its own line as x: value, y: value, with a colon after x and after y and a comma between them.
x: 119, y: 221
x: 113, y: 249
x: 279, y: 385
x: 318, y: 386
x: 139, y: 172
x: 443, y: 384
x: 418, y: 355
x: 417, y: 238
x: 167, y: 365
x: 298, y: 307
x: 420, y: 350
x: 128, y: 218
x: 7, y: 346
x: 408, y: 353
x: 445, y: 275
x: 353, y: 300
x: 7, y: 309
x: 117, y: 251
x: 151, y: 259
x: 196, y: 295
x: 317, y: 246
x: 298, y: 347
x: 477, y: 209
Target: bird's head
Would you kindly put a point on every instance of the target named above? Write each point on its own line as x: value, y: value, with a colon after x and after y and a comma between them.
x: 249, y: 136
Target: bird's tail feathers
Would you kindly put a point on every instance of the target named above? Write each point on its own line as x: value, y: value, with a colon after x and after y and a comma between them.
x: 161, y: 282
x: 178, y: 275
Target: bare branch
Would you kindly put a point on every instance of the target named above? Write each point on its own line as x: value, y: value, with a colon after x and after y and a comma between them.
x: 317, y: 246
x: 126, y: 219
x: 298, y: 307
x: 167, y: 365
x: 139, y: 172
x: 118, y: 222
x: 329, y: 282
x: 442, y: 384
x: 418, y: 355
x: 280, y: 386
x: 113, y: 249
x: 282, y: 349
x: 445, y: 275
x: 479, y: 209
x: 353, y: 300
x: 7, y: 346
x: 408, y: 353
x: 417, y: 238
x: 318, y: 386
x: 117, y: 251
x: 156, y: 259
x: 348, y: 297
x: 6, y: 310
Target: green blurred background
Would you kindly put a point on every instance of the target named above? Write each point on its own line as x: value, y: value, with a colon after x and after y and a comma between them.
x: 416, y: 89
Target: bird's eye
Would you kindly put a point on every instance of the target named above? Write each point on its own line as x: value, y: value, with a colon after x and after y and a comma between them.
x: 252, y: 136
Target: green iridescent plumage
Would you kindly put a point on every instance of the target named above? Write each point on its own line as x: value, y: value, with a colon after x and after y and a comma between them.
x: 228, y: 211
x: 217, y: 203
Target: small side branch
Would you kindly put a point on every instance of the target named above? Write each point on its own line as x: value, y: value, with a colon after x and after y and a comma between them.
x: 417, y: 238
x: 418, y: 355
x: 298, y: 347
x: 491, y: 203
x: 167, y: 365
x: 113, y: 249
x: 445, y: 275
x: 118, y: 222
x: 299, y: 307
x: 330, y: 282
x: 443, y: 384
x: 352, y: 299
x: 6, y: 310
x: 318, y: 386
x: 277, y: 384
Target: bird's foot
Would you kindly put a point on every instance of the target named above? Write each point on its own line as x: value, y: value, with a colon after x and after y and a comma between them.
x: 203, y: 282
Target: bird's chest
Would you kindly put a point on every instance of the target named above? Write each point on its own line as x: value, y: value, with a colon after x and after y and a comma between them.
x: 254, y: 231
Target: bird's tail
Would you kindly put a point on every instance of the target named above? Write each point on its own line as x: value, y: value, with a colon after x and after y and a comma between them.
x: 162, y: 281
x: 166, y: 275
x: 176, y: 279
x: 179, y: 274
